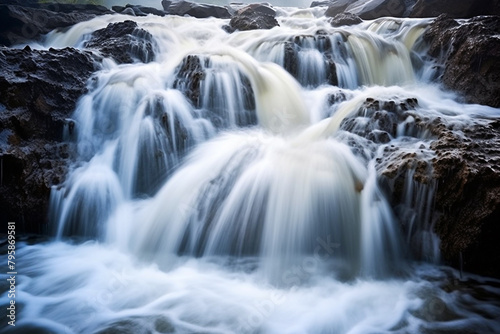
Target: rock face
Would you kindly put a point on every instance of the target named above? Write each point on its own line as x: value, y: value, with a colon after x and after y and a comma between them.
x: 200, y: 11
x: 21, y: 23
x: 345, y: 19
x: 457, y: 172
x: 189, y: 76
x: 467, y: 169
x: 39, y: 92
x: 455, y: 8
x: 124, y: 41
x: 337, y: 7
x: 469, y: 54
x: 137, y: 10
x: 253, y: 17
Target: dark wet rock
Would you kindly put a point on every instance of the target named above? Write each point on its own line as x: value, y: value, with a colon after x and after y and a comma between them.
x: 124, y: 41
x: 290, y: 58
x: 469, y: 55
x: 378, y: 120
x: 137, y: 10
x: 189, y: 76
x: 373, y: 9
x: 458, y: 174
x: 337, y: 7
x: 39, y: 92
x: 345, y: 19
x: 455, y: 8
x: 467, y: 169
x: 256, y: 8
x: 18, y: 24
x: 320, y: 3
x: 150, y: 10
x: 128, y: 11
x: 253, y: 17
x: 183, y: 8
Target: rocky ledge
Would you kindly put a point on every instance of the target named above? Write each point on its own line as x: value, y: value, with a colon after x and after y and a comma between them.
x: 39, y: 92
x: 448, y: 184
x: 468, y: 55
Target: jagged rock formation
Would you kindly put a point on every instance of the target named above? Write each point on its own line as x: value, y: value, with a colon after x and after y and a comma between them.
x: 200, y: 11
x: 124, y: 41
x: 253, y: 17
x: 469, y: 55
x: 39, y: 92
x: 345, y: 19
x: 27, y: 22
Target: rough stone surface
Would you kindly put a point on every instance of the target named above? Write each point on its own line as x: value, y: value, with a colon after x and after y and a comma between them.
x: 469, y: 54
x: 467, y: 169
x: 124, y: 41
x: 20, y: 23
x: 320, y: 3
x: 455, y: 8
x: 345, y: 19
x: 137, y: 10
x: 182, y: 8
x: 253, y: 17
x: 337, y: 7
x: 189, y: 76
x: 39, y: 92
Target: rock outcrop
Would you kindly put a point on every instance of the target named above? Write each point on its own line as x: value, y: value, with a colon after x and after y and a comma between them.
x: 22, y: 23
x: 39, y: 92
x: 253, y: 17
x: 124, y: 41
x: 467, y: 170
x: 200, y: 11
x: 469, y: 55
x: 345, y: 19
x: 137, y: 10
x: 455, y: 8
x: 337, y: 7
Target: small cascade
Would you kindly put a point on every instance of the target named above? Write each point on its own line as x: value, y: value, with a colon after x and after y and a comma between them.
x: 212, y: 147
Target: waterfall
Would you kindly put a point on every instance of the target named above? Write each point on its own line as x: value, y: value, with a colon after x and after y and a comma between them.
x: 245, y: 183
x: 153, y: 142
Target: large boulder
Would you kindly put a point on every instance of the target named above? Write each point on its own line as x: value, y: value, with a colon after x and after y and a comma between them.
x: 200, y: 11
x: 39, y: 92
x: 124, y: 41
x: 455, y: 8
x: 138, y: 10
x: 255, y: 16
x: 345, y: 19
x: 373, y: 9
x: 467, y: 170
x: 337, y: 7
x: 190, y: 74
x: 320, y: 3
x: 22, y: 23
x: 469, y: 55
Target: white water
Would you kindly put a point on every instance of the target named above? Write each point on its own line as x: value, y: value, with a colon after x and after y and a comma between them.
x: 251, y: 209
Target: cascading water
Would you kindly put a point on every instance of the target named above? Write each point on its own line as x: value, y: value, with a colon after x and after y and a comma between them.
x: 228, y: 196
